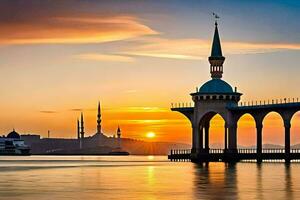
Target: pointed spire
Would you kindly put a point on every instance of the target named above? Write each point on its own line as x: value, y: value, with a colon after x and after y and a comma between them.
x: 216, y: 59
x: 216, y: 50
x: 78, y: 129
x: 99, y: 107
x: 99, y: 119
x: 82, y: 126
x: 119, y: 137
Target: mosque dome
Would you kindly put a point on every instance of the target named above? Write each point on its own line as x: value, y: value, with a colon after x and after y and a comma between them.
x: 215, y: 86
x: 14, y: 135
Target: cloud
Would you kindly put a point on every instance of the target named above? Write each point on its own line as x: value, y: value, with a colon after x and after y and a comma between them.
x: 198, y: 49
x: 248, y: 48
x: 139, y: 109
x: 53, y: 29
x: 48, y: 111
x: 183, y: 49
x: 144, y: 109
x: 105, y: 57
x: 76, y: 109
x: 186, y: 49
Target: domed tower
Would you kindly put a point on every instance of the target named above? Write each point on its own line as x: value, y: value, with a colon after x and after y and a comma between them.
x: 13, y: 135
x: 216, y: 89
x: 213, y: 97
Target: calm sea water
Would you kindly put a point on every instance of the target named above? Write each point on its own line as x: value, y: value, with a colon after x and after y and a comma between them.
x: 143, y: 177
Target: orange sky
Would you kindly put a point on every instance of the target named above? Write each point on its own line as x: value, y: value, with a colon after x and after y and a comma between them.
x: 57, y: 60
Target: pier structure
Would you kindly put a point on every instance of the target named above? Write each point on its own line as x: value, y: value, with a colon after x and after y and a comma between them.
x: 216, y: 96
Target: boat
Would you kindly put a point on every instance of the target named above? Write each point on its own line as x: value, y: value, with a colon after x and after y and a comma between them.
x: 118, y: 152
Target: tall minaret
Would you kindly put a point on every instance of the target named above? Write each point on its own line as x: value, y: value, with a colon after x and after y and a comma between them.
x: 216, y: 58
x: 82, y: 127
x: 78, y: 129
x: 119, y: 137
x: 99, y: 119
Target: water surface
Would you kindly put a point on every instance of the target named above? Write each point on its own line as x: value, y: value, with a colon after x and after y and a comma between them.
x: 143, y: 177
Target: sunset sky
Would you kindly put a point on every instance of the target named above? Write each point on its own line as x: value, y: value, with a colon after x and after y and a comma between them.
x: 58, y: 58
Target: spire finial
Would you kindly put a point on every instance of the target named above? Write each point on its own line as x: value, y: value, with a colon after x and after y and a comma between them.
x: 216, y: 17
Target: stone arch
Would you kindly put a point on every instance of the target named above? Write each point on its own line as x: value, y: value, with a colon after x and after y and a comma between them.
x: 272, y: 127
x: 295, y: 129
x: 270, y: 112
x: 205, y: 123
x: 246, y: 128
x: 209, y: 114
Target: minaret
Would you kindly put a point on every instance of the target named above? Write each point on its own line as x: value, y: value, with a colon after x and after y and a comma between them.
x: 99, y: 119
x: 216, y: 58
x: 82, y: 127
x: 119, y: 137
x: 78, y: 129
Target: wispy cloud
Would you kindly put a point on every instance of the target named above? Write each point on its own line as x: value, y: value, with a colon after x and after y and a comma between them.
x: 248, y: 48
x: 76, y: 109
x: 183, y: 49
x: 145, y: 109
x: 48, y: 111
x: 139, y: 109
x: 186, y: 49
x: 197, y: 49
x: 105, y: 57
x: 66, y: 29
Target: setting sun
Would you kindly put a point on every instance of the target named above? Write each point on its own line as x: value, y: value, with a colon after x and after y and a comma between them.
x: 150, y: 135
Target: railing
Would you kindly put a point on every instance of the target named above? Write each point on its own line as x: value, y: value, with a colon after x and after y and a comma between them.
x: 245, y: 151
x: 270, y: 102
x: 245, y: 103
x: 240, y: 151
x: 182, y: 105
x: 180, y: 151
x: 295, y: 150
x: 216, y: 151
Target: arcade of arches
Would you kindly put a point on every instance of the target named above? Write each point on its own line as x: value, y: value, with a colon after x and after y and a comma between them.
x: 272, y: 137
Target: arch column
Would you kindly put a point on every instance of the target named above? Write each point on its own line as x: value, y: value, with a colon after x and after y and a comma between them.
x: 232, y: 139
x: 287, y: 139
x: 201, y: 139
x: 259, y: 128
x: 226, y: 137
x: 206, y: 129
x: 195, y: 138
